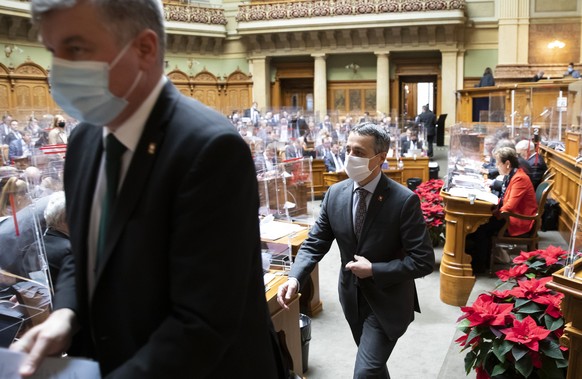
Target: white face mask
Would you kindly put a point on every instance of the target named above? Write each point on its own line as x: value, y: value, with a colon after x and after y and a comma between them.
x: 81, y: 88
x: 357, y: 167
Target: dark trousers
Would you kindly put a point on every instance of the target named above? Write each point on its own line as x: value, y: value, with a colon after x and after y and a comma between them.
x: 430, y: 141
x: 479, y: 245
x: 374, y: 346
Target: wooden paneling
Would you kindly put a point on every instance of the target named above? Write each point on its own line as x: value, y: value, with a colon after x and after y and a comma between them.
x: 566, y: 187
x: 354, y: 98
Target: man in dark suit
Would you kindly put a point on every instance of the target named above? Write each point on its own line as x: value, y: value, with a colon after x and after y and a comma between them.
x: 384, y: 245
x: 334, y: 160
x: 154, y: 298
x: 428, y: 119
x: 411, y: 144
x: 20, y: 147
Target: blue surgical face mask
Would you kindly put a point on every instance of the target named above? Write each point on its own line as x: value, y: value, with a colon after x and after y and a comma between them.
x: 81, y: 88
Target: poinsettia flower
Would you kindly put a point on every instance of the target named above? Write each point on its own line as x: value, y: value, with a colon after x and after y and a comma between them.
x: 526, y: 332
x: 481, y: 373
x: 525, y: 256
x: 552, y: 254
x: 485, y: 312
x: 512, y: 273
x: 501, y: 294
x: 531, y: 289
x: 553, y: 304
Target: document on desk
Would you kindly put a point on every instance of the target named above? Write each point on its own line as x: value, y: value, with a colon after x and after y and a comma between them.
x: 479, y: 195
x: 53, y: 368
x: 273, y: 230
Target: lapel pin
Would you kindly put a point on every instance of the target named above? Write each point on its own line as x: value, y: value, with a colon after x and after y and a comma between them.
x: 380, y: 198
x: 152, y: 148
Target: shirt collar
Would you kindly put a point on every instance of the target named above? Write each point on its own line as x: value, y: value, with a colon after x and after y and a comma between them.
x: 130, y: 131
x: 371, y: 186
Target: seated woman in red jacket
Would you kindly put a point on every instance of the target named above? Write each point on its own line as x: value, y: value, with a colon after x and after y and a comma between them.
x: 517, y: 196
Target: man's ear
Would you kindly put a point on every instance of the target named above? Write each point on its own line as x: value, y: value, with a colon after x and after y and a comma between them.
x: 147, y: 44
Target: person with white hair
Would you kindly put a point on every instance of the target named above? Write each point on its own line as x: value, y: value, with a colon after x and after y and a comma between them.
x: 56, y: 236
x: 527, y: 150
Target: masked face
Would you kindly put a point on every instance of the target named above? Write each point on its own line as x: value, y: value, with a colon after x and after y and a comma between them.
x: 357, y: 168
x: 81, y: 88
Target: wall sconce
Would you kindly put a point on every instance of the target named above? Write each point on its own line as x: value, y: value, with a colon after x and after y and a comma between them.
x: 556, y: 44
x: 10, y: 48
x: 354, y: 67
x: 192, y: 62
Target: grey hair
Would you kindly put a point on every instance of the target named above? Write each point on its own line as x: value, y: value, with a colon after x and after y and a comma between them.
x: 125, y: 18
x: 504, y: 154
x: 54, y: 213
x: 524, y: 145
x: 381, y: 137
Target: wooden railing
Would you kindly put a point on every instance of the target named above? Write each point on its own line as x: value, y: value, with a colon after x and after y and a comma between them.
x: 278, y: 10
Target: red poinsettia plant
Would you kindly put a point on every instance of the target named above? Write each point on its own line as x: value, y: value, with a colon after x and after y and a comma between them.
x: 432, y: 206
x: 514, y: 332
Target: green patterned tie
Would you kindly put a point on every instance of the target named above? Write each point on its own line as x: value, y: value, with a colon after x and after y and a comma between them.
x: 113, y: 152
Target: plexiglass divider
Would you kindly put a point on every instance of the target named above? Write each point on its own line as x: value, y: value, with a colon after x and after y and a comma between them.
x: 25, y: 281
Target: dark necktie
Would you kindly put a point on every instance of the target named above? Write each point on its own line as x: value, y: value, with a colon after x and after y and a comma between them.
x: 113, y: 153
x: 361, y: 195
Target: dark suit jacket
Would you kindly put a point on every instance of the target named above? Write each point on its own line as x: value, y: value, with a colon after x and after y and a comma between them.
x: 15, y: 149
x: 330, y: 163
x: 173, y: 297
x: 58, y: 252
x: 429, y: 120
x: 394, y: 238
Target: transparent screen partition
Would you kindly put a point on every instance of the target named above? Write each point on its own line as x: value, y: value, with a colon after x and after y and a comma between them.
x: 286, y: 190
x: 25, y: 281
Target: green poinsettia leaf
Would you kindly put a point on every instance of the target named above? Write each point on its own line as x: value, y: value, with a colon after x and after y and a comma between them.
x: 531, y: 275
x: 562, y: 363
x: 551, y: 370
x: 521, y: 302
x: 501, y: 348
x: 470, y: 359
x: 552, y: 323
x: 474, y: 333
x: 518, y: 351
x: 524, y: 366
x: 530, y: 308
x: 537, y: 264
x: 499, y: 369
x: 551, y: 349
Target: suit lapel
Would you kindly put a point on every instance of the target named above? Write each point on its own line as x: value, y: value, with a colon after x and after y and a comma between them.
x: 139, y: 169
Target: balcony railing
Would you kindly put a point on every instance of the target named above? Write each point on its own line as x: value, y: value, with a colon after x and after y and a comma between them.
x: 193, y: 12
x: 330, y: 8
x: 190, y: 12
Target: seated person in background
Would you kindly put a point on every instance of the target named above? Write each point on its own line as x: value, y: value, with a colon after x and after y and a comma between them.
x: 20, y: 148
x: 411, y: 144
x: 575, y: 74
x: 294, y: 150
x: 19, y: 199
x: 334, y: 160
x: 517, y: 195
x: 56, y: 236
x: 487, y: 79
x: 267, y: 160
x: 526, y: 150
x: 321, y: 151
x: 539, y: 75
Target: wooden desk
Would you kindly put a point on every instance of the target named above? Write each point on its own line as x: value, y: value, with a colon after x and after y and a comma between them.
x: 286, y: 322
x: 461, y: 218
x: 330, y: 178
x: 413, y: 168
x: 310, y: 301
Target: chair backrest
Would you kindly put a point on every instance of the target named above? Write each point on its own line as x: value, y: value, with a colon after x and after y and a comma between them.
x: 548, y: 175
x: 542, y: 191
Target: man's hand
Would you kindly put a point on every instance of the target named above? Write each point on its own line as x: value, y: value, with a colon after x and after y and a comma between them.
x: 52, y: 337
x: 360, y: 267
x: 286, y: 292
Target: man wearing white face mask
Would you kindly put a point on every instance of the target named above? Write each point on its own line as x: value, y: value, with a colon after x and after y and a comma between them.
x: 384, y: 246
x: 141, y: 180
